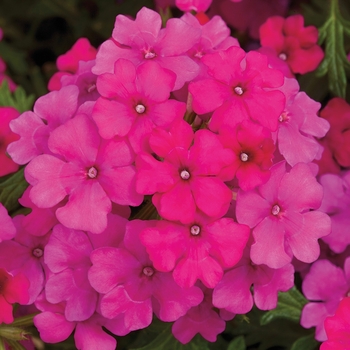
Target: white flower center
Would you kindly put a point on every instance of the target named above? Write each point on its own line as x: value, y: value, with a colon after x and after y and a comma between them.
x: 238, y: 90
x: 38, y: 252
x: 149, y: 55
x: 198, y: 54
x: 195, y: 230
x: 92, y: 173
x: 244, y: 157
x: 283, y: 117
x: 140, y: 108
x: 185, y: 175
x: 148, y: 271
x: 91, y: 87
x: 282, y: 56
x: 275, y: 210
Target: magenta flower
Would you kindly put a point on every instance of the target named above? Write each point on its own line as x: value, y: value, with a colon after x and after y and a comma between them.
x: 134, y: 101
x: 193, y: 5
x: 91, y: 172
x: 67, y: 255
x: 253, y: 148
x: 282, y: 216
x: 13, y: 289
x: 133, y: 286
x: 7, y: 114
x: 24, y: 255
x: 234, y: 293
x: 34, y: 127
x: 215, y: 36
x: 40, y: 220
x: 325, y: 285
x: 85, y: 80
x: 188, y: 174
x: 248, y: 15
x: 337, y: 113
x: 242, y: 88
x: 299, y: 125
x: 199, y: 250
x: 7, y: 227
x: 68, y: 63
x: 336, y: 203
x: 201, y: 319
x: 337, y: 328
x: 143, y: 39
x: 292, y: 42
x: 88, y: 335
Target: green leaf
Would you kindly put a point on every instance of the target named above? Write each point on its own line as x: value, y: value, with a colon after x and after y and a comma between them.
x: 289, y: 307
x: 237, y: 344
x: 11, y: 189
x: 306, y: 343
x: 18, y: 99
x: 335, y: 62
x: 280, y: 333
x: 14, y: 58
x: 165, y: 340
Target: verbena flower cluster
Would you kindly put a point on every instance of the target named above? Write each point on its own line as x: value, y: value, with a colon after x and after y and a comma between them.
x: 172, y: 173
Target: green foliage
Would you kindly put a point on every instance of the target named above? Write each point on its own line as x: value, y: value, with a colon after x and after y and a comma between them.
x: 12, y: 188
x: 237, y: 344
x: 18, y: 99
x: 289, y: 307
x: 166, y: 340
x: 335, y: 62
x: 306, y: 343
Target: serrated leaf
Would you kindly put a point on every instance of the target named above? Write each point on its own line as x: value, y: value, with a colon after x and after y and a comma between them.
x: 335, y: 61
x: 237, y: 344
x: 12, y: 189
x: 306, y: 343
x: 18, y: 99
x: 289, y: 307
x: 166, y: 340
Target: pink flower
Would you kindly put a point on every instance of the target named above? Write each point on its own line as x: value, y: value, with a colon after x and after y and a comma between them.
x: 34, y: 127
x: 242, y: 88
x: 337, y: 113
x: 24, y: 254
x: 336, y: 203
x: 201, y: 319
x: 193, y: 5
x: 13, y: 289
x: 248, y: 282
x: 253, y: 148
x: 68, y: 63
x: 299, y: 125
x: 67, y: 255
x: 215, y: 36
x: 292, y: 42
x: 88, y: 335
x: 7, y: 228
x: 133, y: 286
x: 7, y: 114
x: 92, y: 173
x: 248, y: 15
x: 282, y: 216
x: 187, y: 175
x: 85, y: 80
x: 134, y: 101
x: 325, y: 285
x: 40, y: 220
x: 338, y: 328
x: 199, y: 250
x: 143, y: 39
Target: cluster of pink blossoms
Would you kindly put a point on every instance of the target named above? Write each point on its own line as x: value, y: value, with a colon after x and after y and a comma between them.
x: 181, y: 122
x: 326, y: 283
